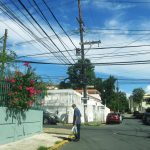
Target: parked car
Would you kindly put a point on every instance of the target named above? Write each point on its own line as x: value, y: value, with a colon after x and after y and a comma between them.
x: 114, y: 118
x: 50, y: 118
x: 138, y: 115
x: 146, y: 116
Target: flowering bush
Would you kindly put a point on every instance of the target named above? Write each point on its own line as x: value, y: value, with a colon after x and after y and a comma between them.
x: 25, y: 88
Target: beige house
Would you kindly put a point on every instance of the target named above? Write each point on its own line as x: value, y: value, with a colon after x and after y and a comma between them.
x: 146, y: 101
x: 144, y: 105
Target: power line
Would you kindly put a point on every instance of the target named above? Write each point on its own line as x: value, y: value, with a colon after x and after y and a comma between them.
x: 37, y: 62
x: 130, y: 43
x: 129, y: 79
x: 105, y: 54
x: 52, y: 28
x: 1, y: 38
x: 117, y: 29
x: 12, y: 16
x: 120, y: 47
x: 129, y: 54
x: 122, y: 63
x: 43, y: 38
x: 124, y: 1
x: 123, y: 34
x: 58, y: 22
x: 95, y: 64
x: 40, y: 27
x: 38, y: 54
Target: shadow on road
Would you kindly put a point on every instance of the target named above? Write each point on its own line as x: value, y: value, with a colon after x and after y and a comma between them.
x: 63, y: 138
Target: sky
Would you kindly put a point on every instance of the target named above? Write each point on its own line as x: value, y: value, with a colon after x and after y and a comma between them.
x: 122, y: 26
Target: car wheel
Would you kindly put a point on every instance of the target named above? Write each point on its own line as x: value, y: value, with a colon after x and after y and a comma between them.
x: 45, y: 121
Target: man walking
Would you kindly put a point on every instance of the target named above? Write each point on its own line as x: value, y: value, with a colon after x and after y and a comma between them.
x: 77, y: 121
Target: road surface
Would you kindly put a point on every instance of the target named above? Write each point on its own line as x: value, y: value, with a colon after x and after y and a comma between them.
x: 130, y: 135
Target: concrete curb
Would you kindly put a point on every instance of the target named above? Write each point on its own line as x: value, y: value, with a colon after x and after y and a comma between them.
x: 59, y: 145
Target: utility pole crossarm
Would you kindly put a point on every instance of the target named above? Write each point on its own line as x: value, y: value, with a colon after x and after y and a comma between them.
x: 92, y: 42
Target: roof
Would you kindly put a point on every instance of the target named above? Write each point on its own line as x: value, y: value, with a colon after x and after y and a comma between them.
x: 89, y: 91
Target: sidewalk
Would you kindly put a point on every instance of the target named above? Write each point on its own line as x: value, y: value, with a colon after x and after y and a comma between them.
x: 47, y: 139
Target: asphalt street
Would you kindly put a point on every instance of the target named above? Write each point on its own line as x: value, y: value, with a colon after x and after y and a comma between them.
x: 130, y: 135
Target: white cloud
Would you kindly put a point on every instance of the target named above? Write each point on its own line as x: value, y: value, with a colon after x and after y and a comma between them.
x: 111, y: 39
x: 148, y: 89
x: 111, y: 5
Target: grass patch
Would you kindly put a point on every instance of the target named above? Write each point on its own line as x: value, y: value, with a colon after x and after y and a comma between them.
x: 42, y: 148
x: 57, y: 142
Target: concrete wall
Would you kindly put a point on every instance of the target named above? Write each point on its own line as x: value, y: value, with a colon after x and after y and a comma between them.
x: 96, y: 111
x: 15, y: 126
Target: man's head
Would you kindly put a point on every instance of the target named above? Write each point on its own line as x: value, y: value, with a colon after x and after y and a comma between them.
x: 73, y: 106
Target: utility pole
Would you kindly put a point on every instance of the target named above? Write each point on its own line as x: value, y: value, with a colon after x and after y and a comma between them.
x: 3, y: 55
x: 117, y: 95
x: 80, y: 20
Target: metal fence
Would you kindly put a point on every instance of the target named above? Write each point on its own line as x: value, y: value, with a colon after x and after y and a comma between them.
x: 4, y: 90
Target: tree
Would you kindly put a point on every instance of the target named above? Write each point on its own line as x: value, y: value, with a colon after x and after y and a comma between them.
x: 75, y: 75
x: 114, y: 100
x: 8, y: 60
x: 98, y: 85
x: 64, y: 85
x: 109, y: 91
x: 137, y: 95
x: 123, y: 104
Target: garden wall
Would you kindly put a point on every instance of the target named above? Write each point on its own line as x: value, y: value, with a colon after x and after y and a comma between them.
x: 15, y: 125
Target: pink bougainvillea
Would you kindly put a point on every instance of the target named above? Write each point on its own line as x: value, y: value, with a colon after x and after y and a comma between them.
x: 25, y: 88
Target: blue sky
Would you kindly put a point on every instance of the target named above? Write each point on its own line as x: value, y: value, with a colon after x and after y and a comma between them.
x: 100, y: 17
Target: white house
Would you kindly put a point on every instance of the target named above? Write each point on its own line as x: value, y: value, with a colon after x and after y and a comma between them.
x: 96, y: 111
x: 59, y: 101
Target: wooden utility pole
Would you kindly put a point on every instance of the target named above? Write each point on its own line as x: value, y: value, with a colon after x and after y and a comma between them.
x: 3, y: 55
x: 80, y: 20
x: 117, y: 88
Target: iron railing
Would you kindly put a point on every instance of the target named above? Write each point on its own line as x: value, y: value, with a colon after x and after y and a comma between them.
x: 4, y: 92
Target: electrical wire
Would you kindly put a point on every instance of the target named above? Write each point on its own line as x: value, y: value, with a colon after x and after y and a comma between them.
x: 29, y: 31
x: 123, y: 63
x: 41, y: 27
x: 124, y: 1
x: 124, y: 55
x: 50, y: 10
x: 51, y: 28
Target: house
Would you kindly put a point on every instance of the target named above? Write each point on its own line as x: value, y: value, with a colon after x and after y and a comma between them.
x: 95, y: 111
x: 59, y: 101
x: 146, y: 101
x: 143, y: 106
